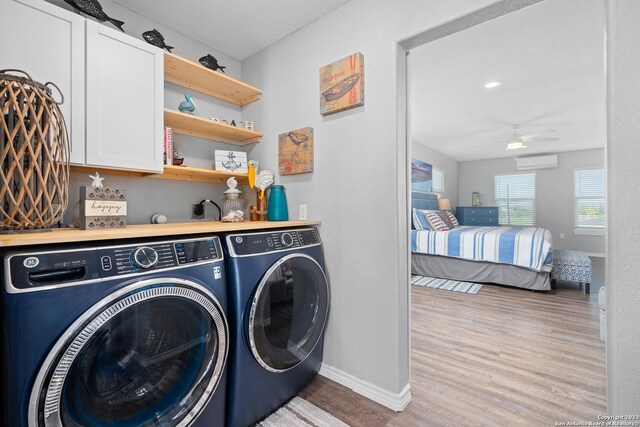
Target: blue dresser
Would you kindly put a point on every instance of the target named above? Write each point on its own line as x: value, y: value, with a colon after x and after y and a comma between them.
x: 477, y: 215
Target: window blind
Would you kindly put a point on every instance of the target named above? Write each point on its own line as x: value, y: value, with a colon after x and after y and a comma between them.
x: 589, y: 186
x: 516, y: 198
x: 438, y: 180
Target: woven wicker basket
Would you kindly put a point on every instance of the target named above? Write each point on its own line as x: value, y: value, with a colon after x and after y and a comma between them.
x: 34, y: 155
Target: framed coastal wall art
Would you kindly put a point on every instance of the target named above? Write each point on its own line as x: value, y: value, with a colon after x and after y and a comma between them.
x: 295, y: 151
x: 342, y: 84
x: 421, y: 176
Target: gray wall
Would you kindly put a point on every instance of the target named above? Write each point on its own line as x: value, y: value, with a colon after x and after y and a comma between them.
x: 147, y: 196
x: 354, y: 189
x: 367, y: 335
x: 623, y: 153
x: 440, y: 161
x: 554, y: 194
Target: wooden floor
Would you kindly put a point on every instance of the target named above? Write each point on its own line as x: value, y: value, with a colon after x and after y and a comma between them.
x: 503, y: 357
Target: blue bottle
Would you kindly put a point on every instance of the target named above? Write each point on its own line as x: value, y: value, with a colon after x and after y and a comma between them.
x: 277, y: 209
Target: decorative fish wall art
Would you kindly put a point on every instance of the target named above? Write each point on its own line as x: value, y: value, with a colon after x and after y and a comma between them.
x: 211, y: 63
x: 154, y: 37
x: 94, y: 9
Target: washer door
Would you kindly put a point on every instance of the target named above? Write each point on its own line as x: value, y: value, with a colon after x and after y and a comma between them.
x: 151, y: 354
x: 288, y: 313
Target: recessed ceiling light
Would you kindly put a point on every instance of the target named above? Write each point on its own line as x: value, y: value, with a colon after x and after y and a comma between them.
x: 491, y: 85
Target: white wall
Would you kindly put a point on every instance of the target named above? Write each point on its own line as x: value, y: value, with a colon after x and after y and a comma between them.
x: 554, y: 194
x: 623, y: 155
x: 442, y: 162
x: 354, y: 189
x: 147, y: 196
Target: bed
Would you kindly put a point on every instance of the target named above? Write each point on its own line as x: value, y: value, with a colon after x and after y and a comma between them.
x: 514, y: 256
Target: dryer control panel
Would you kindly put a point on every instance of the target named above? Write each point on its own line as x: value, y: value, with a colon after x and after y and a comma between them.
x: 258, y: 243
x: 34, y: 270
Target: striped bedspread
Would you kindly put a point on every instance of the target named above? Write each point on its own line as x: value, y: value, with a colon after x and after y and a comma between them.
x: 528, y: 247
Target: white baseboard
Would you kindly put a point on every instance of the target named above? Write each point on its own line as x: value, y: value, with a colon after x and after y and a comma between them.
x: 596, y: 254
x: 395, y: 401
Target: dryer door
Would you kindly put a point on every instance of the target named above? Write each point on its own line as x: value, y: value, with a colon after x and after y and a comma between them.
x: 150, y: 354
x: 288, y: 312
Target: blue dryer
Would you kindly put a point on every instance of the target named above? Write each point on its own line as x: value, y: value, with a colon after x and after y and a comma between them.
x: 278, y: 309
x: 119, y: 336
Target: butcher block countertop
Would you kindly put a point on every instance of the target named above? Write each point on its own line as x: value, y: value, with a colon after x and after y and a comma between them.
x: 67, y: 235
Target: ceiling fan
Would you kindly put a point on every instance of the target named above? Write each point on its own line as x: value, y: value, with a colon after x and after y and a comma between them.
x: 517, y: 141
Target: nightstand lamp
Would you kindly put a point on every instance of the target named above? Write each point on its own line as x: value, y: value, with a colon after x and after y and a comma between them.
x: 444, y: 204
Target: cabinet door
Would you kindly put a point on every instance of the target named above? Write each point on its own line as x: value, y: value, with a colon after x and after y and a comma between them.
x: 48, y: 43
x: 125, y: 91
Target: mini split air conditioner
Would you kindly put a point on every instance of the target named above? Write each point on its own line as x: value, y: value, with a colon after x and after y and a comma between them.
x: 537, y: 162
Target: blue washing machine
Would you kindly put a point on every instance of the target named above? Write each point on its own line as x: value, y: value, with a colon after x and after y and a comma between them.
x: 119, y: 336
x: 278, y: 309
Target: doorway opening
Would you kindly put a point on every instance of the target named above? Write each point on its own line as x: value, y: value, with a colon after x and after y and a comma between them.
x: 506, y: 129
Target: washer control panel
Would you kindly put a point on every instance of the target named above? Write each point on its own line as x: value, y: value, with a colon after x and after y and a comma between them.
x: 257, y: 243
x: 130, y: 259
x: 34, y: 270
x: 155, y: 256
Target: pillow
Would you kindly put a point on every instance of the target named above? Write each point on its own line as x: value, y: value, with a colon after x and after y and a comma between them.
x: 435, y: 221
x: 419, y: 220
x: 445, y: 218
x: 429, y: 220
x: 452, y: 219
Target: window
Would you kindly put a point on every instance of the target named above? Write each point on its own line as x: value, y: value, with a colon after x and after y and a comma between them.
x: 516, y: 198
x: 438, y: 181
x: 589, y: 199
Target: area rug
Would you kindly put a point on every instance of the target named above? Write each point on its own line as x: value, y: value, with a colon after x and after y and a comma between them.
x: 447, y: 285
x: 300, y: 413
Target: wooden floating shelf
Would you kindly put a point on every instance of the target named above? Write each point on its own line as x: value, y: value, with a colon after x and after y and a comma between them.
x: 186, y: 173
x: 194, y: 76
x: 102, y: 170
x: 188, y: 124
x: 182, y: 173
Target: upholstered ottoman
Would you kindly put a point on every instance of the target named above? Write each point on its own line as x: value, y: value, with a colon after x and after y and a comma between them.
x: 572, y: 266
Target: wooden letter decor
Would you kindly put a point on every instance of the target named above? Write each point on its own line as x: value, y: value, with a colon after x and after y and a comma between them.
x: 102, y: 208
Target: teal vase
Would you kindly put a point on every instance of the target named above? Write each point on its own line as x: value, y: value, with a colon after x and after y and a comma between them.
x: 277, y: 209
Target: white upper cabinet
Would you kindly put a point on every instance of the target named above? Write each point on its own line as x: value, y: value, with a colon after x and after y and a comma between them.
x: 125, y: 91
x: 48, y: 43
x: 113, y: 84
